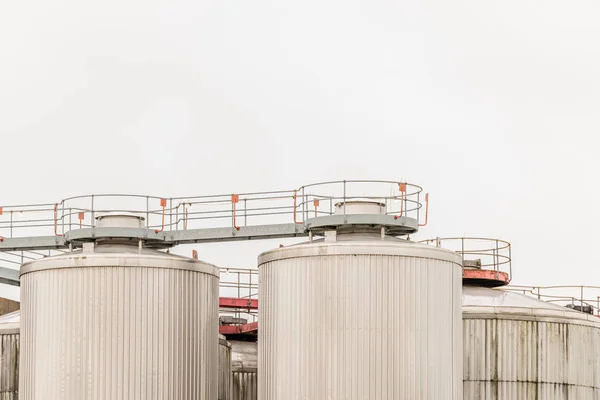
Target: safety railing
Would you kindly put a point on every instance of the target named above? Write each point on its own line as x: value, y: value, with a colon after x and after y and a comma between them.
x: 235, y: 210
x: 239, y: 284
x: 14, y: 259
x: 479, y: 253
x: 583, y: 298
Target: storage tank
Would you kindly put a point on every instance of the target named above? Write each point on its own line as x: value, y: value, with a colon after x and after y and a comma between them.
x: 244, y: 370
x: 9, y: 356
x: 517, y: 346
x: 360, y: 314
x: 224, y: 369
x: 118, y: 320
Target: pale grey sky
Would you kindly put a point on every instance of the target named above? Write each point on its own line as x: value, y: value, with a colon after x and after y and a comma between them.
x: 491, y: 106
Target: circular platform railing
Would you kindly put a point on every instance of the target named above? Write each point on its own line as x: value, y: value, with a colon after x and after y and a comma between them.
x: 486, y: 261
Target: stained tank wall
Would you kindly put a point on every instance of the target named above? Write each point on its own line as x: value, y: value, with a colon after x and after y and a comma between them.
x: 244, y: 370
x: 119, y: 323
x: 9, y: 356
x: 517, y: 347
x: 360, y: 318
x: 224, y: 369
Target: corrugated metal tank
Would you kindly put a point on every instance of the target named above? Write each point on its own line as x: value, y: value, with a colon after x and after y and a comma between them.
x: 224, y: 369
x: 119, y: 322
x: 360, y: 316
x: 520, y: 348
x: 9, y: 356
x: 244, y: 370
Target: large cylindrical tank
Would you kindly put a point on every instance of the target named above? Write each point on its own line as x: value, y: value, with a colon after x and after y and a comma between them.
x: 9, y: 356
x: 114, y: 321
x: 360, y: 315
x: 518, y: 347
x: 244, y: 370
x: 224, y: 369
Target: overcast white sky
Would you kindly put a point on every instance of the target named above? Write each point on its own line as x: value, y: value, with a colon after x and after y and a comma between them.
x: 492, y: 106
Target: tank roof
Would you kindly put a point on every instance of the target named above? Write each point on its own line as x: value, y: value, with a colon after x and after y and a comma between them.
x: 118, y: 255
x: 496, y: 303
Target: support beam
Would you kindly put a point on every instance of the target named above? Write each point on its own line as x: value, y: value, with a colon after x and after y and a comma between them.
x: 239, y: 329
x: 232, y: 302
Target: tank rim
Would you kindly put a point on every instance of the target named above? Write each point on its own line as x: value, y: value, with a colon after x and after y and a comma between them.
x: 148, y: 259
x: 360, y: 247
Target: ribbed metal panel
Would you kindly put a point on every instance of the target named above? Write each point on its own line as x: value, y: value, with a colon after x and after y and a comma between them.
x: 369, y: 324
x: 119, y: 332
x: 543, y: 355
x: 244, y: 370
x: 9, y: 365
x: 224, y: 369
x: 245, y: 385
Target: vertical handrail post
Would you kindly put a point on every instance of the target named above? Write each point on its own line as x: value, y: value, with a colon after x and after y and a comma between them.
x: 93, y: 213
x: 344, y: 198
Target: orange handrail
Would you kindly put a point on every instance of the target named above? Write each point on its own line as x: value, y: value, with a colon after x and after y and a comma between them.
x: 234, y: 200
x: 402, y: 187
x: 163, y: 204
x: 55, y: 221
x: 426, y: 210
x: 295, y: 203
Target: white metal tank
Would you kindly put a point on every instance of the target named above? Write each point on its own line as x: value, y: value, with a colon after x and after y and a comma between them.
x: 9, y: 356
x: 116, y: 321
x: 516, y: 346
x: 244, y: 370
x: 360, y: 314
x: 224, y: 369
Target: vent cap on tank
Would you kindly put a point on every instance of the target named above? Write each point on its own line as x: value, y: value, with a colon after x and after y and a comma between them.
x: 118, y: 228
x: 120, y: 220
x: 362, y: 215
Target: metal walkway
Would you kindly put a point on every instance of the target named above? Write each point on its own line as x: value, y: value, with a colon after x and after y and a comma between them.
x: 171, y: 221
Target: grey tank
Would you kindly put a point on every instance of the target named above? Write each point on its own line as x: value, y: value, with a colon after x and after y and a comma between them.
x: 520, y: 348
x: 9, y: 356
x: 224, y: 369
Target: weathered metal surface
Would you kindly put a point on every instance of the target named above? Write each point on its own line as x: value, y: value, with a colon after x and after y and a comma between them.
x: 517, y: 347
x: 224, y: 369
x: 9, y: 356
x: 360, y: 318
x: 119, y: 323
x: 244, y: 368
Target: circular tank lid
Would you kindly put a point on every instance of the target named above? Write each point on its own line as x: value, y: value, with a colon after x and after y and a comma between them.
x: 360, y: 206
x: 482, y: 302
x: 10, y: 323
x: 120, y: 220
x: 244, y: 355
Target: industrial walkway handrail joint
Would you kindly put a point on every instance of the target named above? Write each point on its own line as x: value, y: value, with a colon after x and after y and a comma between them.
x: 548, y: 294
x: 176, y: 213
x: 496, y: 254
